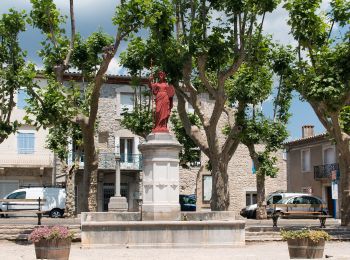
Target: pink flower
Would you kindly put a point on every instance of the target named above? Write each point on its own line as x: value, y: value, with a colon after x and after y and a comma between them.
x: 46, y: 232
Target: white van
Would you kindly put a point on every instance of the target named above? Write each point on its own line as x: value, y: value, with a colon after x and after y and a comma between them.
x: 54, y: 204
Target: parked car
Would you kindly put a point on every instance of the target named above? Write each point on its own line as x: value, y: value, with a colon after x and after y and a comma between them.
x: 53, y: 204
x: 188, y: 202
x: 300, y: 199
x: 250, y: 210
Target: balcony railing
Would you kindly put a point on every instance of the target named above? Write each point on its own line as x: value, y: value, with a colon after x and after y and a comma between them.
x: 326, y: 172
x: 127, y: 161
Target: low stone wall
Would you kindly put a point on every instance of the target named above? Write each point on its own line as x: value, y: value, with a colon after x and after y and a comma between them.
x: 163, y: 234
x: 110, y: 216
x: 210, y: 215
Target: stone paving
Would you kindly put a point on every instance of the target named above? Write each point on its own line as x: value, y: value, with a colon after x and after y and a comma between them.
x: 252, y: 251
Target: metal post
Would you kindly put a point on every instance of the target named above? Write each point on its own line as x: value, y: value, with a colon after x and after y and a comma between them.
x: 39, y: 213
x: 117, y: 175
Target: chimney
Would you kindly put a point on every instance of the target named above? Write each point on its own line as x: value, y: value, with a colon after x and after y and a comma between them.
x: 307, y: 131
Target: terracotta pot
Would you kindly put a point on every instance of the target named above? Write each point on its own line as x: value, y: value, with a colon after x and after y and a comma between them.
x: 53, y: 249
x: 305, y: 248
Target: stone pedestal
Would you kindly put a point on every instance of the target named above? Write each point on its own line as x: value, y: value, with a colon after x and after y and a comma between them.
x: 160, y: 155
x: 117, y: 203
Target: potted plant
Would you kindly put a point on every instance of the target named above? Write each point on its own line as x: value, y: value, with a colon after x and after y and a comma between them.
x: 305, y: 243
x: 52, y: 242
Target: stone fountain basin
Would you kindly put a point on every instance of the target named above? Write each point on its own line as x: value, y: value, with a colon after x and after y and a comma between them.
x: 117, y: 229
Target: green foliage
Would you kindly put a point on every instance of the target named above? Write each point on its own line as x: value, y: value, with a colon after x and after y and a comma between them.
x: 314, y: 235
x: 308, y: 28
x: 14, y: 72
x: 250, y: 85
x: 189, y: 151
x: 46, y: 17
x: 62, y: 137
x: 139, y: 120
x: 87, y: 55
x: 340, y: 11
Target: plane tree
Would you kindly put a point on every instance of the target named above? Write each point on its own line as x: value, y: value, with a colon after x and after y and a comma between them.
x: 322, y: 76
x: 61, y: 51
x: 201, y: 45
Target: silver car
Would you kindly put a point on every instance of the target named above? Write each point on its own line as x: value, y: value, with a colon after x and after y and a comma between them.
x: 316, y: 205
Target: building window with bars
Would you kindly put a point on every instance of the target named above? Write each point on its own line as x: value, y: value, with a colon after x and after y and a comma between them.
x: 25, y: 143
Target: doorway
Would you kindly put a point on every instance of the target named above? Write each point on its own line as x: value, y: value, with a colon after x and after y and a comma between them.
x: 329, y: 200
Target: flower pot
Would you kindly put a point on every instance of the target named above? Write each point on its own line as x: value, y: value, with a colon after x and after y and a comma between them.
x: 53, y: 249
x: 305, y: 248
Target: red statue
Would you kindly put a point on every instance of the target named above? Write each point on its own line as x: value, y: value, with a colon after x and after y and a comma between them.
x: 164, y: 94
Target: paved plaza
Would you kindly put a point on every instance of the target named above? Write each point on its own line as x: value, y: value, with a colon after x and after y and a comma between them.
x: 252, y: 251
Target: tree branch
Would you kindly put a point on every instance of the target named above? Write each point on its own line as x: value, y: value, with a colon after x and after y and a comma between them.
x: 72, y: 39
x: 202, y: 60
x: 231, y: 141
x: 193, y: 131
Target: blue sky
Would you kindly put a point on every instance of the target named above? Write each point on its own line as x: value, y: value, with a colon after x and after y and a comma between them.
x: 92, y: 15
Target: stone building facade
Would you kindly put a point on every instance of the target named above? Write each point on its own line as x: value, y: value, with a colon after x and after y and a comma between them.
x: 313, y: 167
x: 24, y: 160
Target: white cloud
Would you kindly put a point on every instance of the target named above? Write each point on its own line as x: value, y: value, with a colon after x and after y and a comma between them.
x: 115, y: 68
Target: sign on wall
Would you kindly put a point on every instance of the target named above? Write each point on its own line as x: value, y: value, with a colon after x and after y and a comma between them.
x: 334, y: 190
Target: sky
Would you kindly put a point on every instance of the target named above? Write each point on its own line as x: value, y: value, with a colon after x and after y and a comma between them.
x: 92, y: 15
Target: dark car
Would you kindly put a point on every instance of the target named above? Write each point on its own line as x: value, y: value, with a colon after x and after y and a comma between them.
x: 188, y: 202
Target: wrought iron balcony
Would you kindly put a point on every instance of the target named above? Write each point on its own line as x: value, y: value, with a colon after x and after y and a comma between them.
x: 326, y: 172
x: 127, y: 161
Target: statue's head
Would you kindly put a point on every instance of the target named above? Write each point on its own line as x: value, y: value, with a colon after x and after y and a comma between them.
x: 162, y: 75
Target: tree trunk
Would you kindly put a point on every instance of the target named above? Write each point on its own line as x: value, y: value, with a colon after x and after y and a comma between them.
x: 220, y: 200
x: 70, y: 210
x: 344, y: 187
x: 260, y: 188
x: 90, y: 171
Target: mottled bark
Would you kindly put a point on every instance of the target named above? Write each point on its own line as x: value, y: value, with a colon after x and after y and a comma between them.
x: 260, y: 185
x: 344, y: 185
x: 70, y: 210
x: 261, y: 204
x: 220, y: 200
x: 90, y: 171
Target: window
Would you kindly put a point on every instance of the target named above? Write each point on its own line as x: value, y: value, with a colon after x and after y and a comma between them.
x: 250, y: 198
x: 196, y: 158
x: 126, y: 149
x: 274, y: 199
x: 21, y: 98
x: 207, y: 187
x: 126, y: 102
x: 311, y: 200
x: 329, y: 155
x: 17, y: 195
x: 305, y: 161
x: 25, y: 143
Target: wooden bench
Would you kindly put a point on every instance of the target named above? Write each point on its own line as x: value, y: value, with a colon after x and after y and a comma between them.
x: 290, y: 213
x: 9, y: 202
